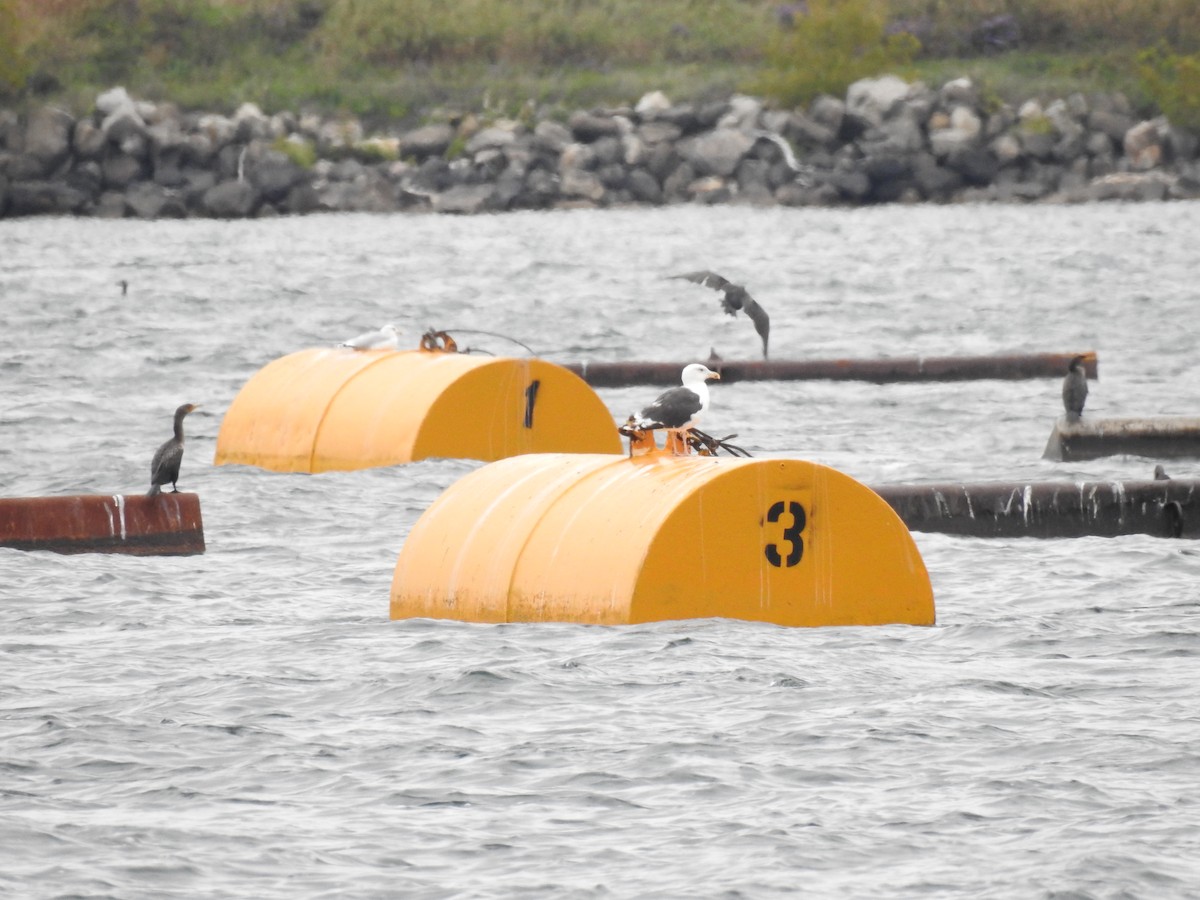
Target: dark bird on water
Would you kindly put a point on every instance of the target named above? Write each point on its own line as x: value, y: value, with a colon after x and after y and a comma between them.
x: 164, y: 469
x: 1160, y: 474
x: 679, y: 408
x: 1075, y: 389
x: 735, y: 297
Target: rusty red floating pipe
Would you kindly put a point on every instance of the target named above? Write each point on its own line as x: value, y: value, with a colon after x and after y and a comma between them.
x: 1169, y: 508
x: 165, y: 525
x: 1174, y: 437
x: 1011, y: 367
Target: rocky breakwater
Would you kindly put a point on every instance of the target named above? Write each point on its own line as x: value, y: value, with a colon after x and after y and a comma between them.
x: 886, y: 141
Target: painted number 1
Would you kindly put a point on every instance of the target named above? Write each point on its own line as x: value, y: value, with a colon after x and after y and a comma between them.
x: 791, y: 534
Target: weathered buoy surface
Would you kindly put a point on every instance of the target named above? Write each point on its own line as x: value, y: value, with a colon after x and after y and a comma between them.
x: 1158, y: 438
x: 1009, y: 367
x: 337, y: 409
x: 618, y: 540
x: 1050, y: 509
x: 165, y: 525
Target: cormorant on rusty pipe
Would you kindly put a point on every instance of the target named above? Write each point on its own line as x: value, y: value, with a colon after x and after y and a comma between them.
x: 1075, y: 389
x: 735, y: 297
x: 164, y: 469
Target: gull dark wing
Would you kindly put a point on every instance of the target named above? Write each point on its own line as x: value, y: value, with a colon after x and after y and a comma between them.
x: 762, y: 322
x: 706, y: 278
x: 672, y: 409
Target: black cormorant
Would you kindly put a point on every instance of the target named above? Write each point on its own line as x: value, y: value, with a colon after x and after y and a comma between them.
x: 164, y: 469
x: 1075, y: 389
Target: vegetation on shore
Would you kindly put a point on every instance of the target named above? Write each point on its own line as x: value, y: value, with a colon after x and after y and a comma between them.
x: 399, y: 60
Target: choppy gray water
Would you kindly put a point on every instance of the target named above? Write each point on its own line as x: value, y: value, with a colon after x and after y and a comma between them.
x: 249, y: 723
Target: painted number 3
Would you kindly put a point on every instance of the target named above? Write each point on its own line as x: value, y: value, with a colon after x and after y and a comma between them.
x: 791, y: 534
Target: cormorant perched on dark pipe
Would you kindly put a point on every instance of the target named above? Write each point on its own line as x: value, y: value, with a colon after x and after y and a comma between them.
x: 735, y: 297
x: 164, y: 469
x: 1075, y: 389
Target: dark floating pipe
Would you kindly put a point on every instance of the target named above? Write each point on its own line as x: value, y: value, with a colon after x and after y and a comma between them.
x: 1163, y: 438
x: 1010, y: 367
x: 1168, y: 508
x: 165, y: 525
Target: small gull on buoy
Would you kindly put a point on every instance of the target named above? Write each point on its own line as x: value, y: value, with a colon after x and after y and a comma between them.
x: 678, y: 409
x: 1075, y: 389
x: 735, y: 297
x: 385, y: 338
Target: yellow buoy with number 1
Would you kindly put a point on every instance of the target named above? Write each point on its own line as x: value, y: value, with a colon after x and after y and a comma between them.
x: 616, y: 540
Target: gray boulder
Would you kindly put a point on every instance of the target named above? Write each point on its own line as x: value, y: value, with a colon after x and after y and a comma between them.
x: 659, y: 132
x: 852, y: 183
x: 86, y: 176
x: 12, y: 132
x: 217, y: 131
x: 121, y: 170
x: 829, y: 112
x: 675, y: 185
x: 302, y: 199
x: 580, y: 183
x: 492, y: 138
x: 465, y: 199
x: 87, y: 140
x: 587, y: 127
x: 40, y: 198
x: 274, y: 175
x: 426, y: 141
x: 147, y: 200
x: 1143, y: 145
x: 48, y: 137
x: 231, y: 200
x: 124, y: 125
x: 541, y: 189
x: 933, y: 180
x: 644, y: 187
x: 110, y: 205
x: 250, y: 124
x: 874, y: 98
x: 1111, y: 123
x: 716, y: 152
x: 551, y: 137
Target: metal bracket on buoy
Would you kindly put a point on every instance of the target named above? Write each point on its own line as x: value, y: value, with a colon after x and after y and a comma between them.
x: 694, y: 440
x: 438, y: 342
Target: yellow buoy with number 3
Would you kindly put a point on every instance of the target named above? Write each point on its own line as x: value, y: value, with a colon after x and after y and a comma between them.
x: 616, y: 540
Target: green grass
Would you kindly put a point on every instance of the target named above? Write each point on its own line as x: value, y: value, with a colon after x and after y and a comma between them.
x: 401, y: 61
